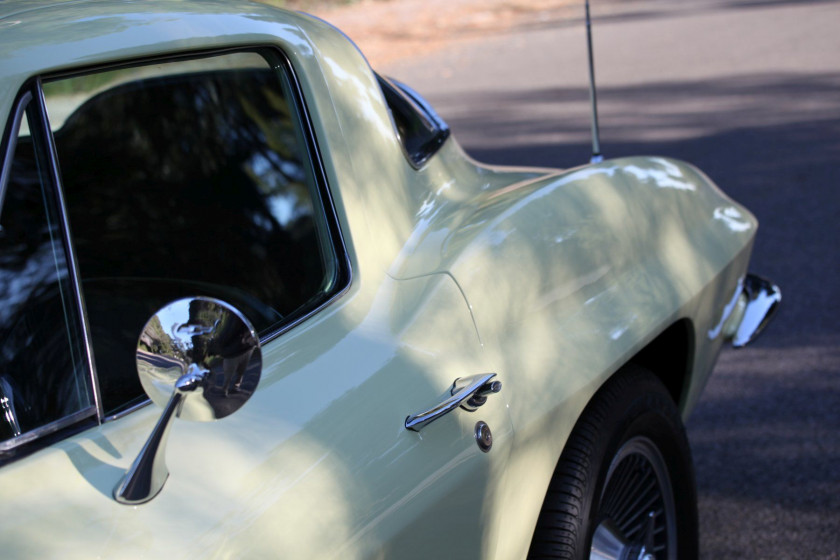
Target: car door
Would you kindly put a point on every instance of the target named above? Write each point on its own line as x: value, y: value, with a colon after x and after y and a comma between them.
x: 197, y: 176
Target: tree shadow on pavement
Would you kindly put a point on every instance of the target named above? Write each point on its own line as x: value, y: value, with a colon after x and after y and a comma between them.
x: 613, y: 11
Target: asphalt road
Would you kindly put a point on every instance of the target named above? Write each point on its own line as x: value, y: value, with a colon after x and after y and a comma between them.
x: 749, y: 90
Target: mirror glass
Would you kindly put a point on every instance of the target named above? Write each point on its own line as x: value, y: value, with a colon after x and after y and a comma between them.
x: 211, y: 341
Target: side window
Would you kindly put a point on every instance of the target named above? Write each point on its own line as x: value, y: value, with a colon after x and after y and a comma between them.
x: 183, y: 178
x: 420, y: 130
x: 44, y: 381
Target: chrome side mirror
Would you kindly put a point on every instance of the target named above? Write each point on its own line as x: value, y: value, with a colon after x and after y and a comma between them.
x: 199, y: 359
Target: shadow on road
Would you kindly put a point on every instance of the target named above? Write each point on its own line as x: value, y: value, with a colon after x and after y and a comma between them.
x: 765, y: 440
x: 615, y: 11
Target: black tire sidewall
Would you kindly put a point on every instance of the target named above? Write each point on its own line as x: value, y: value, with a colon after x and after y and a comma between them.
x: 641, y: 406
x: 632, y: 403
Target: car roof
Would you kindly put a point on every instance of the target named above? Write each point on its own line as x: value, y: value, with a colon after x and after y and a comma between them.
x: 29, y: 19
x: 11, y: 8
x: 47, y: 36
x: 63, y: 8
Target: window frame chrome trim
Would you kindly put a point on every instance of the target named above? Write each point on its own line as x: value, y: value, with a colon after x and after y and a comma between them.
x: 47, y: 429
x: 11, y: 145
x: 125, y: 412
x: 31, y: 94
x: 70, y: 248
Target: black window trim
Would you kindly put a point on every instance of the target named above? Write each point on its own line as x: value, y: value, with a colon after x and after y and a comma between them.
x: 279, y: 61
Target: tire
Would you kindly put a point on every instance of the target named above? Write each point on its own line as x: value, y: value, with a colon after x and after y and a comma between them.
x: 625, y: 479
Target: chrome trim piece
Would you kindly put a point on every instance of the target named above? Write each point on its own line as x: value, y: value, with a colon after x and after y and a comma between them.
x: 7, y: 411
x: 607, y: 543
x: 649, y: 470
x: 761, y: 299
x: 213, y: 354
x: 47, y: 429
x: 127, y: 411
x: 72, y: 262
x: 468, y: 393
x: 483, y: 436
x: 480, y: 396
x: 205, y: 335
x: 148, y: 473
x: 22, y: 105
x: 6, y: 403
x: 20, y: 110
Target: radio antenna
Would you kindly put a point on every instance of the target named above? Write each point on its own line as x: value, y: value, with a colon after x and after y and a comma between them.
x: 596, y: 144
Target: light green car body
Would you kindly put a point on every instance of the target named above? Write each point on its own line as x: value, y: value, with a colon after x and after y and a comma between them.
x: 551, y: 279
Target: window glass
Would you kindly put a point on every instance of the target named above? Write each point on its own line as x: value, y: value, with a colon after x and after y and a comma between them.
x: 420, y: 130
x: 187, y: 178
x: 43, y: 377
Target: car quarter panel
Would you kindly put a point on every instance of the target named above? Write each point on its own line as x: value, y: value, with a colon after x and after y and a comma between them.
x: 607, y: 255
x: 568, y: 276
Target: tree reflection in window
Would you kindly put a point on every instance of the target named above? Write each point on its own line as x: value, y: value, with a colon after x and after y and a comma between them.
x: 192, y: 178
x: 43, y: 378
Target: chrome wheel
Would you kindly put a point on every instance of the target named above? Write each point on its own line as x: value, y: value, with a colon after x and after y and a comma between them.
x: 637, y: 513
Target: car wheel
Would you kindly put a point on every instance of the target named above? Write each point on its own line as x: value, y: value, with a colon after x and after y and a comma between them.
x: 624, y: 486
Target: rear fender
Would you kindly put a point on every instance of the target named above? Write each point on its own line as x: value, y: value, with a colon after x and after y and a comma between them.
x: 570, y: 276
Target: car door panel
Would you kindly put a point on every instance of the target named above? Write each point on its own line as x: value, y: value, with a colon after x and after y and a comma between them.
x: 318, y: 464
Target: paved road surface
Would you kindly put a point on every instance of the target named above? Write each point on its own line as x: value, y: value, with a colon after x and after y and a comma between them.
x: 749, y: 90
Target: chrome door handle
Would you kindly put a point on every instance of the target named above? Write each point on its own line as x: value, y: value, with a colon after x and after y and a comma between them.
x: 467, y: 392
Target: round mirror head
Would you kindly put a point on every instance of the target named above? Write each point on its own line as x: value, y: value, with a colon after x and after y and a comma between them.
x: 213, y: 343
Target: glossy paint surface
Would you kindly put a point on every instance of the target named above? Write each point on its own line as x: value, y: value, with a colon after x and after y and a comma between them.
x: 552, y: 280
